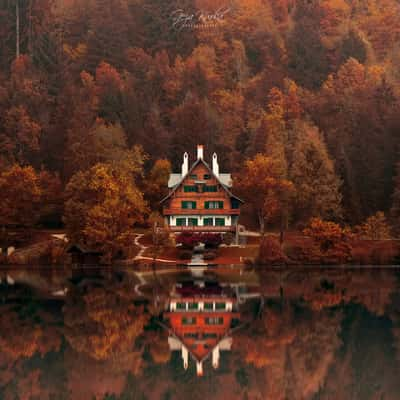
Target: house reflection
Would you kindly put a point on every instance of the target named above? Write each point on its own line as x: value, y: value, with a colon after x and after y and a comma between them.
x: 200, y: 318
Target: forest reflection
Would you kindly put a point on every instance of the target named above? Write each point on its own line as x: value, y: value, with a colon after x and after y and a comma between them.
x: 282, y: 334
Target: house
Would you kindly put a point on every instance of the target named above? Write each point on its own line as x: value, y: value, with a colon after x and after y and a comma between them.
x: 200, y: 198
x: 82, y: 255
x: 200, y: 318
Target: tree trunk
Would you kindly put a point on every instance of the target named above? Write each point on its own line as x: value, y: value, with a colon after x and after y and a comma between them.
x: 30, y: 33
x: 262, y: 223
x: 17, y: 51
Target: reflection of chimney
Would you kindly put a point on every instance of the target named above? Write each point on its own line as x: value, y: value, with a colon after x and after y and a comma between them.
x: 215, y: 357
x: 185, y: 165
x: 199, y: 368
x: 200, y: 151
x: 215, y: 166
x: 185, y: 357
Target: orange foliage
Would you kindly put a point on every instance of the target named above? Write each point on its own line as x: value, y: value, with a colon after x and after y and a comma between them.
x: 112, y: 319
x: 332, y: 240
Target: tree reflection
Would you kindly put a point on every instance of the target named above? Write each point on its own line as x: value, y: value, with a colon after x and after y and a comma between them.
x: 320, y: 335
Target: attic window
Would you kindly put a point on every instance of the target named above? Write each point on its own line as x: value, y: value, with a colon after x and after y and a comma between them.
x: 187, y: 189
x: 193, y: 176
x: 207, y: 176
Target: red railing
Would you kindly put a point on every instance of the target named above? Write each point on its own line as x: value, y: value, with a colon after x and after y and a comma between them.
x: 201, y: 211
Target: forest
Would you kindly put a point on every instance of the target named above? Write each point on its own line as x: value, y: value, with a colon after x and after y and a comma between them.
x: 97, y: 95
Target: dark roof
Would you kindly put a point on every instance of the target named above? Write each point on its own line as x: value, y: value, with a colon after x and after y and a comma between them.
x: 212, y: 174
x: 81, y: 249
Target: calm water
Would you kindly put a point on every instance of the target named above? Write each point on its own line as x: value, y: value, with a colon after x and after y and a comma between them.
x: 302, y: 334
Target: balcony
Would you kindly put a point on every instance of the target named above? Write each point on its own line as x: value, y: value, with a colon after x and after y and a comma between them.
x: 200, y: 211
x: 230, y: 228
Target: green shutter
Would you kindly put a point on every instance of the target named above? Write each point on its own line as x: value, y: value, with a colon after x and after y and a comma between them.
x: 192, y: 221
x: 180, y: 221
x: 220, y: 204
x: 189, y: 205
x: 208, y: 221
x: 207, y: 205
x: 220, y: 221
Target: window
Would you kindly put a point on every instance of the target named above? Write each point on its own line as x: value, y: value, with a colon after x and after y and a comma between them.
x: 191, y: 335
x: 193, y: 176
x: 189, y: 205
x: 192, y: 222
x: 219, y: 221
x: 208, y: 222
x: 235, y: 203
x: 188, y: 320
x: 193, y: 306
x: 208, y: 306
x: 220, y: 306
x: 210, y: 188
x: 214, y: 321
x: 181, y: 306
x: 181, y: 222
x: 213, y: 204
x: 209, y: 335
x: 188, y: 188
x: 207, y: 177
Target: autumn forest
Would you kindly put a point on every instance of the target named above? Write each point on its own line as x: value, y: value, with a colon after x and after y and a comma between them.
x: 97, y: 95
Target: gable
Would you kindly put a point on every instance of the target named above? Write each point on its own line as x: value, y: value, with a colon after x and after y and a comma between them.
x: 196, y: 174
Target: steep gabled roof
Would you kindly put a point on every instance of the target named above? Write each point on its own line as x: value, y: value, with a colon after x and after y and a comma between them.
x: 201, y: 356
x: 199, y: 160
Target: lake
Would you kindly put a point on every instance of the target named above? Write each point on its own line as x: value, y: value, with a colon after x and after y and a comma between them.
x: 112, y: 333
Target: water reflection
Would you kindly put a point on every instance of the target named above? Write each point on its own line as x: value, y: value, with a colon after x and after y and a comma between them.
x: 201, y: 316
x: 117, y: 334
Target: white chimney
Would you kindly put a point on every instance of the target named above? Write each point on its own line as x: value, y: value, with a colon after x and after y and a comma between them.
x: 185, y: 165
x: 200, y: 151
x: 215, y: 166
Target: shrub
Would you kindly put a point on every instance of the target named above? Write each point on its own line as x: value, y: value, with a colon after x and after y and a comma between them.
x: 333, y: 242
x: 211, y: 240
x: 375, y: 227
x: 270, y: 251
x: 188, y: 240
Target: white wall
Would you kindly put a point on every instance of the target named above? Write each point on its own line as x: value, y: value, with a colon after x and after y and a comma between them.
x: 228, y: 305
x: 200, y: 219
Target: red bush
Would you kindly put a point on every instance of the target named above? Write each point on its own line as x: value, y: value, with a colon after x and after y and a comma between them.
x: 188, y: 240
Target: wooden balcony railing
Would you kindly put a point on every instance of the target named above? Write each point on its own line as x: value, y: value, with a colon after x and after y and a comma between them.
x: 230, y: 228
x: 200, y: 211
